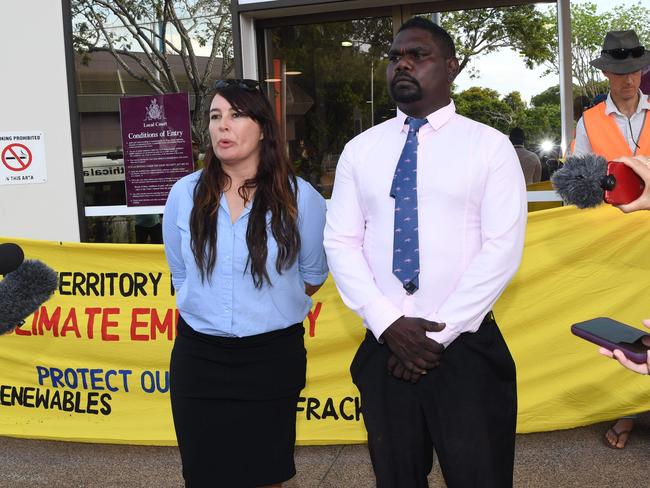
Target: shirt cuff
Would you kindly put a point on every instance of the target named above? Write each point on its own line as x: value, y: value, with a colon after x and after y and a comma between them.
x: 452, y: 329
x: 314, y: 279
x: 445, y: 337
x: 379, y: 315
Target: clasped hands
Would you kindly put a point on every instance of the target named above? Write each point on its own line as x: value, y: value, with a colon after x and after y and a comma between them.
x: 412, y: 352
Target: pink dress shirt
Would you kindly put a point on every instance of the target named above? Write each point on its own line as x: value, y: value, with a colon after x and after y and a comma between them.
x: 471, y: 212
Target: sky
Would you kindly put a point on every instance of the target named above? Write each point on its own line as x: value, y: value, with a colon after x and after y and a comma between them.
x: 505, y: 72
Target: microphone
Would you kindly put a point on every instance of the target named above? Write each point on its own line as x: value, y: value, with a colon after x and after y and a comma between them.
x: 580, y: 180
x: 23, y: 291
x: 11, y: 256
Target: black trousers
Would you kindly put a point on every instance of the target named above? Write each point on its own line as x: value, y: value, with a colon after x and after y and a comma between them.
x: 466, y: 409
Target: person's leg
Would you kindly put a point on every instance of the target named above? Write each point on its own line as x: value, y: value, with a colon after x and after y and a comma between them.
x: 271, y: 454
x: 197, y: 430
x: 618, y: 434
x: 471, y: 406
x: 398, y: 440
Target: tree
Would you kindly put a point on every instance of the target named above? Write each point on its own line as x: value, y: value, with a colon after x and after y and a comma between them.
x: 147, y: 32
x: 482, y: 31
x: 484, y: 105
x: 588, y: 30
x: 515, y: 102
x: 540, y: 122
x: 550, y: 96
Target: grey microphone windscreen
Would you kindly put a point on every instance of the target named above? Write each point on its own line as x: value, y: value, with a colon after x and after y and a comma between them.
x: 23, y: 291
x: 578, y: 181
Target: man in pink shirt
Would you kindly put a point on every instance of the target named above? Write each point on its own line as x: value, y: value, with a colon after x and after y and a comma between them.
x: 424, y: 230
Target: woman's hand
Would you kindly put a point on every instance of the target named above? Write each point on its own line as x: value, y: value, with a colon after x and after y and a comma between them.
x: 643, y: 368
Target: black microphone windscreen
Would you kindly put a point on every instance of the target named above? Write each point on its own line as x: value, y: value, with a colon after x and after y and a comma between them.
x: 11, y: 256
x: 23, y: 291
x: 578, y: 180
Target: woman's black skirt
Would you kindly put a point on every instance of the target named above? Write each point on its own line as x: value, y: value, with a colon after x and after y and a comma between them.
x: 234, y: 405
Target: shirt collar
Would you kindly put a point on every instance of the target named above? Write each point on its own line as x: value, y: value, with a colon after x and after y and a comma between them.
x: 610, y: 106
x: 436, y: 119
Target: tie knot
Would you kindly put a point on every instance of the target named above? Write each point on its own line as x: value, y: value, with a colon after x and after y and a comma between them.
x: 415, y: 124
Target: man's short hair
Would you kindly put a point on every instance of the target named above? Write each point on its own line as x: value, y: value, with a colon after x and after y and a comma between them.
x: 517, y: 135
x: 439, y: 35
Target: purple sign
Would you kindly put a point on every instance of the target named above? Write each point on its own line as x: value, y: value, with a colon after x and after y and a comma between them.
x: 157, y: 144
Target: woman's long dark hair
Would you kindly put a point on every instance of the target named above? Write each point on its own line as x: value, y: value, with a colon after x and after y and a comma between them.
x: 275, y: 189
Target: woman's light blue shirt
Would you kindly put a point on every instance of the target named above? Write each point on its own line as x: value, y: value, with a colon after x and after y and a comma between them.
x: 227, y: 303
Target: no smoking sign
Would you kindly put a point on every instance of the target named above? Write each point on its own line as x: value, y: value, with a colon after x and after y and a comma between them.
x: 16, y: 157
x: 22, y: 158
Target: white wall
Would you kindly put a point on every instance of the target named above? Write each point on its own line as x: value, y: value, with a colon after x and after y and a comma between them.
x: 34, y: 97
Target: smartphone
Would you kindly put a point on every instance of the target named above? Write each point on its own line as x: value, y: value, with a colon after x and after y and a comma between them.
x: 612, y: 334
x: 622, y: 185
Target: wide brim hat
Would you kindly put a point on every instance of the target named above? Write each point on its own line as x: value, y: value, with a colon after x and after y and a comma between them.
x: 621, y: 40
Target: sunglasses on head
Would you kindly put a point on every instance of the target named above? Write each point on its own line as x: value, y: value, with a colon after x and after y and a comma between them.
x: 623, y: 52
x: 244, y: 84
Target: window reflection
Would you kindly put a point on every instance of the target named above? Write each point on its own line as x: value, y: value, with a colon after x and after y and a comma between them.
x: 327, y: 83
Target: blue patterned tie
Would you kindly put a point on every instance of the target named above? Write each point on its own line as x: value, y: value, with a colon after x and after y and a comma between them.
x: 406, y: 260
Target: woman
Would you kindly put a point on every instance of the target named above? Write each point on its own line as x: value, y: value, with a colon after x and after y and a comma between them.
x: 244, y: 242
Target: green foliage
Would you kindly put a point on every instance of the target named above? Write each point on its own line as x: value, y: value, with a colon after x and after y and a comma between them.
x: 588, y: 30
x: 541, y: 123
x: 484, y: 105
x: 482, y: 31
x: 550, y: 96
x: 514, y: 101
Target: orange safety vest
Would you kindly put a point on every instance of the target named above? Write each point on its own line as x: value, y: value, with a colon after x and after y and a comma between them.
x: 606, y: 138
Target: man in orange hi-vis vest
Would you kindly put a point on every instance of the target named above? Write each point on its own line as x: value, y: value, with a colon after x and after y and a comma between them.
x: 616, y: 127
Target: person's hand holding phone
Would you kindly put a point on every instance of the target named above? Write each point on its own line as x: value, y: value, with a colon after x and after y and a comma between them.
x: 640, y: 164
x: 641, y: 368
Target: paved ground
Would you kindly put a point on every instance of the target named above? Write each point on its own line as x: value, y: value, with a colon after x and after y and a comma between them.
x: 570, y: 458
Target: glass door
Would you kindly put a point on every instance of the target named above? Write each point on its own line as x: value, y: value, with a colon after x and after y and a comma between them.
x: 327, y: 83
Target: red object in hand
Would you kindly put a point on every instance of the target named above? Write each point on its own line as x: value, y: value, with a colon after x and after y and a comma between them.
x: 622, y: 185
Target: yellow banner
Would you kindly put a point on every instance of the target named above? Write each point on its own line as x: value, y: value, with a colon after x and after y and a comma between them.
x: 92, y: 364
